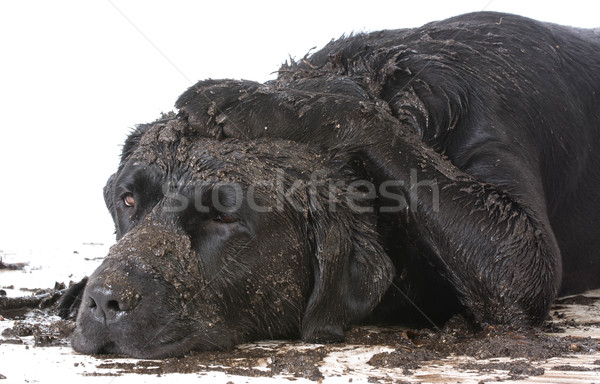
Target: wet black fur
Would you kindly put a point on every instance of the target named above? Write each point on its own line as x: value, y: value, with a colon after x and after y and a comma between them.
x: 501, y: 113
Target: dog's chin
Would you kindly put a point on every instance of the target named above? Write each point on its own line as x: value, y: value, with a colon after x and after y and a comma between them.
x: 100, y: 343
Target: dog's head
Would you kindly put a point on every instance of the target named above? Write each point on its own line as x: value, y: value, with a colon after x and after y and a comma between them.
x: 224, y: 240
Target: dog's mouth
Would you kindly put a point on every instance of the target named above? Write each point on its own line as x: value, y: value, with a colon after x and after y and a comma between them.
x: 166, y: 341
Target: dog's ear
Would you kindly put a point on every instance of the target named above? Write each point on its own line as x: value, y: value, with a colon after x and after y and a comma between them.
x: 351, y: 269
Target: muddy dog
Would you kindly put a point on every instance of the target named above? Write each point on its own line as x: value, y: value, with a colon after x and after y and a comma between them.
x: 402, y: 175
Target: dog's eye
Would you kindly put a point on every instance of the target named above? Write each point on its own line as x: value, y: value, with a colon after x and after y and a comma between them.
x: 225, y: 218
x: 129, y: 200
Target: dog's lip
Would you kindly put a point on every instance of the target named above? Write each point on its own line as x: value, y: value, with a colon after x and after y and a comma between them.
x: 154, y: 348
x: 172, y: 348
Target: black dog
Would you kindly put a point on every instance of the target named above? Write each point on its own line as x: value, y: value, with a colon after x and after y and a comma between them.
x: 399, y: 175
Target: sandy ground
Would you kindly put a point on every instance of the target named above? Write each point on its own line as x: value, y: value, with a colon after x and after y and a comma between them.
x: 34, y: 345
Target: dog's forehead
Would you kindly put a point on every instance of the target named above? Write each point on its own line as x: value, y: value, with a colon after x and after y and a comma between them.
x: 172, y: 146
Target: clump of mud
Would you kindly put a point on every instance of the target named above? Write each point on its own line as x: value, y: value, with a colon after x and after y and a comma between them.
x: 268, y: 361
x: 33, y: 316
x: 45, y: 334
x: 458, y: 339
x: 40, y: 298
x: 12, y: 266
x: 517, y: 370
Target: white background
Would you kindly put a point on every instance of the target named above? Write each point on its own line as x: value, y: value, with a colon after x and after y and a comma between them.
x: 76, y: 76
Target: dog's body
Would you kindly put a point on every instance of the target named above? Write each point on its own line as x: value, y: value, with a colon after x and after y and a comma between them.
x: 421, y: 172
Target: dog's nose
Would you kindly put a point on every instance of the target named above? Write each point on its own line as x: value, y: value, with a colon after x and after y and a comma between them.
x: 108, y: 304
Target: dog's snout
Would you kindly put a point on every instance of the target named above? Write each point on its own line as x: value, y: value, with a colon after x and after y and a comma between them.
x: 108, y: 304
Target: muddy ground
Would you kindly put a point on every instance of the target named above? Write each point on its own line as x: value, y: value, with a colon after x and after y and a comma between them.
x: 567, y: 346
